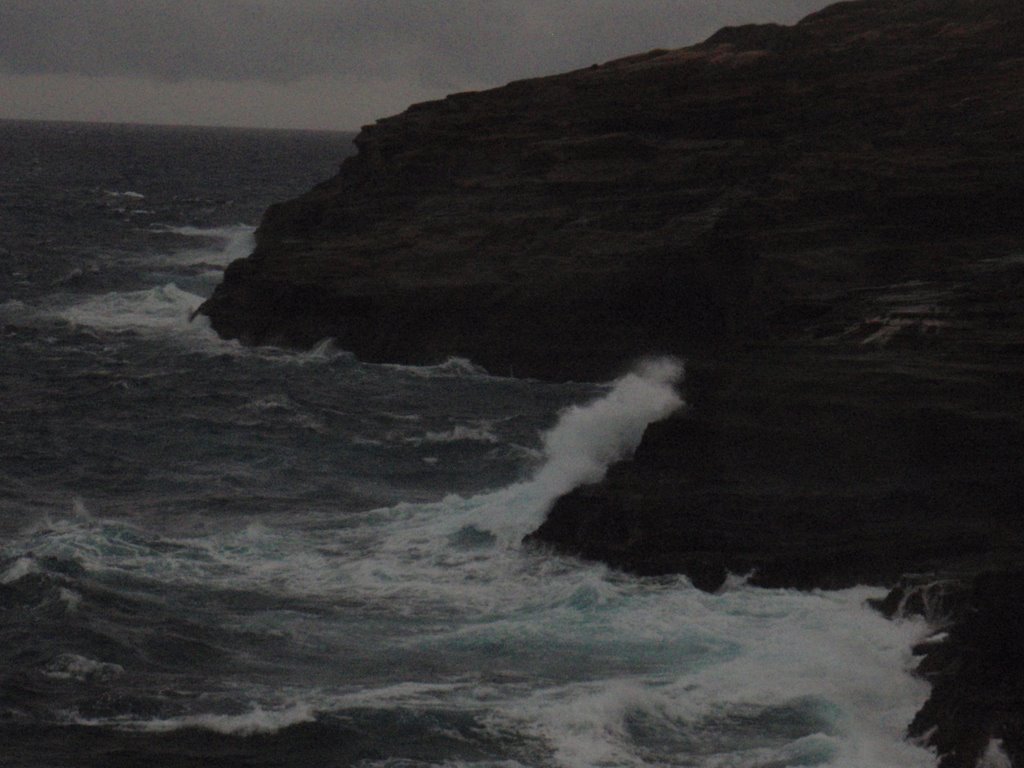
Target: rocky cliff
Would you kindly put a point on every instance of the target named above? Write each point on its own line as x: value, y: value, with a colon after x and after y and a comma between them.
x: 825, y: 220
x: 762, y: 185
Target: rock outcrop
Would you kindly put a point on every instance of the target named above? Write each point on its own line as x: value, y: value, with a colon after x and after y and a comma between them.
x: 975, y: 663
x: 826, y: 220
x: 761, y: 185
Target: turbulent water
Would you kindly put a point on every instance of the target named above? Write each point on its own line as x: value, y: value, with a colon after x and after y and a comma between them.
x: 213, y: 555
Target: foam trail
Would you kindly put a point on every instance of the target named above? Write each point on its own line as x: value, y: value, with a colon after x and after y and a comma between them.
x: 20, y: 568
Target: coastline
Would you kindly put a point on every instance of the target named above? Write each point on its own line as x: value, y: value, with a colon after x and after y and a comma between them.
x: 822, y: 219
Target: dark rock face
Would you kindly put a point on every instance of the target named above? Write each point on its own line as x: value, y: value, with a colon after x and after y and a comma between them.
x: 686, y: 201
x: 825, y: 220
x: 976, y: 666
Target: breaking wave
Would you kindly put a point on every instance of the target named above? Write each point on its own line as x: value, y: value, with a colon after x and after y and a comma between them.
x: 164, y: 308
x: 225, y: 244
x: 579, y: 449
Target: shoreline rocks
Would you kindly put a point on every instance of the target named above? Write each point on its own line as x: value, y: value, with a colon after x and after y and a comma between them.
x: 975, y: 663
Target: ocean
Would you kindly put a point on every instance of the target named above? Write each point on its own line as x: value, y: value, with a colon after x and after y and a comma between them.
x: 213, y: 555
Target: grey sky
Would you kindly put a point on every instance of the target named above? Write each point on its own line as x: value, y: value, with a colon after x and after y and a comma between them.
x: 318, y: 63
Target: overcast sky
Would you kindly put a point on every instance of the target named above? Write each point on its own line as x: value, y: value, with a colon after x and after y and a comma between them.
x: 319, y: 63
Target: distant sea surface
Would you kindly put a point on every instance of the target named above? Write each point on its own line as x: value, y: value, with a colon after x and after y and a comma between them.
x: 213, y: 555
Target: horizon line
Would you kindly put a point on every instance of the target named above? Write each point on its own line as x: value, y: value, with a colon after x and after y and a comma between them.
x: 144, y: 124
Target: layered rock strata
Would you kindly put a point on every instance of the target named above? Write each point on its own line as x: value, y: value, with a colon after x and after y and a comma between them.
x: 680, y: 201
x: 825, y: 220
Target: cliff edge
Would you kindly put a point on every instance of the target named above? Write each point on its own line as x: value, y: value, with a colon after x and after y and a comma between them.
x: 684, y: 201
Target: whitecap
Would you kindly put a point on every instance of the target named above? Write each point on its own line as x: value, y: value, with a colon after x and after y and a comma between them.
x: 163, y: 308
x: 70, y: 598
x: 453, y: 367
x: 12, y: 307
x: 324, y: 351
x: 256, y: 721
x: 231, y: 242
x: 19, y: 569
x: 480, y: 432
x: 71, y: 666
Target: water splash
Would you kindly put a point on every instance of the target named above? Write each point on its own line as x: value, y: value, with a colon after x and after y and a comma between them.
x: 995, y: 756
x: 579, y: 449
x: 229, y: 243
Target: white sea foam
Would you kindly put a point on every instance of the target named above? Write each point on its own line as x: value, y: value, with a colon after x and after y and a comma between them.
x: 324, y: 351
x: 666, y: 671
x: 71, y: 666
x: 19, y: 569
x: 569, y: 655
x: 163, y: 309
x: 412, y: 544
x: 169, y: 312
x: 256, y: 721
x: 157, y: 308
x: 461, y: 433
x: 824, y: 659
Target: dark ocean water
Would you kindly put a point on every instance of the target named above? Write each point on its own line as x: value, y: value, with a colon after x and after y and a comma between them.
x: 220, y: 556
